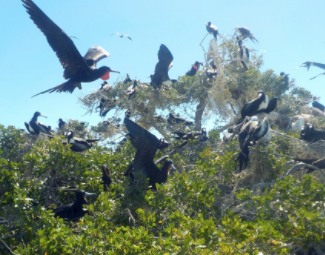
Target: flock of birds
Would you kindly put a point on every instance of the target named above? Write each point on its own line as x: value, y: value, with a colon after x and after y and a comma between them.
x: 78, y: 69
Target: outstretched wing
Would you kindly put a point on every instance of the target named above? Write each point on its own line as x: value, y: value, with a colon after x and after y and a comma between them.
x: 60, y: 42
x: 317, y: 76
x: 165, y: 58
x: 94, y: 55
x: 145, y: 143
x: 319, y: 65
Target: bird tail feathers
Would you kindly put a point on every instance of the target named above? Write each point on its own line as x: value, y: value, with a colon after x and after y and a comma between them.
x: 68, y: 86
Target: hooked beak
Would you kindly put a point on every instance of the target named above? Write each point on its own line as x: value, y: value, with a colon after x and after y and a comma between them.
x: 173, y: 167
x: 114, y: 71
x: 90, y: 194
x: 43, y: 115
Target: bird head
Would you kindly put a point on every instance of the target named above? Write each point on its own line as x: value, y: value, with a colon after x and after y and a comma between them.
x: 81, y: 196
x: 37, y: 114
x: 163, y: 144
x: 105, y: 170
x: 208, y: 24
x: 254, y: 118
x: 169, y: 165
x: 105, y: 70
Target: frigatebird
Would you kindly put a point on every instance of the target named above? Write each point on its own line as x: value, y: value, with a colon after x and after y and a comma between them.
x: 195, y: 67
x: 61, y: 123
x: 121, y: 36
x: 147, y: 145
x: 310, y: 134
x: 249, y: 134
x: 129, y: 172
x: 245, y: 32
x: 76, y: 68
x: 213, y: 72
x: 172, y: 119
x: 107, y: 181
x: 159, y: 119
x: 161, y: 77
x: 318, y: 105
x: 308, y: 64
x: 131, y: 89
x: 106, y: 105
x: 254, y: 106
x: 73, y: 211
x: 212, y: 29
x: 127, y: 79
x: 36, y: 127
x: 79, y: 144
x: 105, y: 86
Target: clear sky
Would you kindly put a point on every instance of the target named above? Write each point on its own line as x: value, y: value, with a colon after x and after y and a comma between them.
x: 290, y: 31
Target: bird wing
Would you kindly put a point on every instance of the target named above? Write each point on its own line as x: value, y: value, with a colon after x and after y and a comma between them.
x: 92, y: 140
x: 271, y: 106
x: 145, y: 143
x: 128, y: 37
x: 94, y: 55
x: 60, y: 42
x: 252, y: 105
x: 319, y: 65
x: 247, y: 53
x: 317, y: 76
x: 261, y: 130
x: 165, y: 58
x: 81, y: 141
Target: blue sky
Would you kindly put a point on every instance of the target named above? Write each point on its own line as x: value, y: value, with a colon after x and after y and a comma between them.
x: 290, y: 32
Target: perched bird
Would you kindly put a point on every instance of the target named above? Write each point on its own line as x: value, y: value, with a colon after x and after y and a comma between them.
x: 106, y: 177
x: 105, y: 86
x: 204, y: 135
x: 173, y: 119
x: 212, y: 29
x: 61, y: 123
x: 213, y: 72
x: 244, y: 56
x: 127, y: 114
x: 76, y: 68
x: 310, y: 134
x: 105, y: 106
x: 249, y: 134
x: 252, y: 107
x: 79, y: 144
x: 146, y: 145
x: 121, y: 36
x: 159, y: 119
x: 127, y: 79
x: 73, y: 211
x: 245, y: 32
x: 195, y: 67
x: 36, y: 127
x: 131, y: 90
x: 285, y: 78
x: 318, y: 105
x: 129, y: 172
x: 187, y: 135
x: 161, y: 71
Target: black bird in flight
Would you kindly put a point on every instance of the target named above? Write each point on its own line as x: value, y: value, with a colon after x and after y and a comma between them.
x: 160, y: 77
x: 245, y: 33
x: 121, y: 36
x: 35, y: 127
x: 73, y: 211
x: 195, y: 67
x: 79, y: 144
x: 250, y: 133
x: 147, y: 145
x: 76, y: 68
x: 212, y: 29
x: 308, y: 64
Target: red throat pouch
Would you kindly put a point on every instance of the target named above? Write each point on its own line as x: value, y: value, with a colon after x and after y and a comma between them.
x: 105, y: 76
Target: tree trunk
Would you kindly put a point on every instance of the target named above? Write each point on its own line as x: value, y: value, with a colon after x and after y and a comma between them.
x: 199, y: 111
